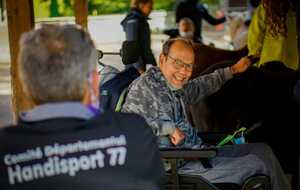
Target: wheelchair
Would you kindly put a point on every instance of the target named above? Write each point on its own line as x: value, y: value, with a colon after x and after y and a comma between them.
x: 113, y: 93
x: 176, y: 181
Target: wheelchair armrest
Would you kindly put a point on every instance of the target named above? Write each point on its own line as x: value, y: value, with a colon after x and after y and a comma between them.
x: 177, y: 153
x: 173, y: 155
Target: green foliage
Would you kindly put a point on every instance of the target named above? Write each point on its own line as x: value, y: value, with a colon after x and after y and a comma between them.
x: 211, y: 2
x: 166, y: 5
x: 99, y: 7
x: 53, y: 8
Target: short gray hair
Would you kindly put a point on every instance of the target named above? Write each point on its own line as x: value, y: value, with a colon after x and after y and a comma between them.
x: 168, y: 44
x: 55, y: 61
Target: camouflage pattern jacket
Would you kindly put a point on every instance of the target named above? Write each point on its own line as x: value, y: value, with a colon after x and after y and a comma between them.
x: 164, y: 109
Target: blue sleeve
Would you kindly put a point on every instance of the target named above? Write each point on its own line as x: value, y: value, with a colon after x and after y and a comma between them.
x: 132, y: 30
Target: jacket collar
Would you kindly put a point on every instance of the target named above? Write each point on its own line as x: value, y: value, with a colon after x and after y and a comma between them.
x: 57, y: 110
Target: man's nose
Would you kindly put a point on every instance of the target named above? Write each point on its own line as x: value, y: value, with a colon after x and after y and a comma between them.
x: 184, y: 69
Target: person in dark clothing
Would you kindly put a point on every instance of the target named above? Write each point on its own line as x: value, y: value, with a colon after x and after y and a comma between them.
x: 196, y: 11
x: 65, y: 142
x: 137, y: 28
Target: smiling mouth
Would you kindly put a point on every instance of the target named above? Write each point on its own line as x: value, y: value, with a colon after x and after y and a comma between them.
x: 181, y: 79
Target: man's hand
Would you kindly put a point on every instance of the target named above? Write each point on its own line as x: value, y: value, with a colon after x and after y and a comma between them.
x: 177, y: 136
x: 241, y: 66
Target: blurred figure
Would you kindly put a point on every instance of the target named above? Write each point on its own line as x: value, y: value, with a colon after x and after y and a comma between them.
x: 137, y: 28
x: 272, y: 33
x: 239, y: 24
x: 196, y: 11
x: 186, y: 29
x: 238, y: 31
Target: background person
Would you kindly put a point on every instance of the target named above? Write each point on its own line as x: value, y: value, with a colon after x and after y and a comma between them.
x: 196, y: 11
x: 136, y: 27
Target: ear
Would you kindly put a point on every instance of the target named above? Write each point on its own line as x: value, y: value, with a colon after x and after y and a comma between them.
x: 162, y: 59
x: 95, y: 81
x: 92, y: 88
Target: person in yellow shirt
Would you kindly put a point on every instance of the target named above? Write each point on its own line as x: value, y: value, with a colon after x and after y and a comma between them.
x: 272, y: 33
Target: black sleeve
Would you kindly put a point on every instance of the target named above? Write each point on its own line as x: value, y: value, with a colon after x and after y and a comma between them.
x: 210, y: 19
x: 146, y: 157
x: 154, y: 170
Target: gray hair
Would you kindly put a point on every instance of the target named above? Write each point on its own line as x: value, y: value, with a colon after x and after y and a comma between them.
x: 168, y: 44
x: 55, y: 61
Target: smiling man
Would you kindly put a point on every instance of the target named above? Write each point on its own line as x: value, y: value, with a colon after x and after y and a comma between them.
x: 160, y: 96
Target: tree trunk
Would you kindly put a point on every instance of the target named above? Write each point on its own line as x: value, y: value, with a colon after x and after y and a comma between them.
x: 20, y: 19
x: 81, y: 12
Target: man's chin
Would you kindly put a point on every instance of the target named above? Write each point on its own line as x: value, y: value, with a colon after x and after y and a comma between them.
x: 177, y: 86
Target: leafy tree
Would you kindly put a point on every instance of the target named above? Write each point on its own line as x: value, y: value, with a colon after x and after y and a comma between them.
x: 164, y: 5
x: 54, y: 8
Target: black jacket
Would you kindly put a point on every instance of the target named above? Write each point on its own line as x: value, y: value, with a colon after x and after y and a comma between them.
x: 196, y: 12
x: 136, y: 27
x: 111, y: 151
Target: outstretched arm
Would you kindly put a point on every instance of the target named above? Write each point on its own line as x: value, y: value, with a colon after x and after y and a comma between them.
x: 210, y: 19
x: 208, y: 84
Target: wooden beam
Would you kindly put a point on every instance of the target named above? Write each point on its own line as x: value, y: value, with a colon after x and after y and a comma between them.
x: 20, y: 17
x: 81, y: 12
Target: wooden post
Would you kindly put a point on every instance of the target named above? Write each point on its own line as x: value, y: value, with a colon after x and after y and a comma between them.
x: 81, y: 12
x: 20, y: 17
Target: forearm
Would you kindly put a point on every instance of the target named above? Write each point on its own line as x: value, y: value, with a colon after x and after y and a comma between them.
x: 214, y: 21
x: 206, y: 85
x: 161, y: 127
x: 157, y: 119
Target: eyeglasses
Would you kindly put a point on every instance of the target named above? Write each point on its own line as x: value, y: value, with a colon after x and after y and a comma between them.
x: 178, y: 64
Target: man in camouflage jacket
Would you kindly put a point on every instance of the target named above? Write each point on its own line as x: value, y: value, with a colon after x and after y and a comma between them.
x: 160, y: 95
x: 163, y: 107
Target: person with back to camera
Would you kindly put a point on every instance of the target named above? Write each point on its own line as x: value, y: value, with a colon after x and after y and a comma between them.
x: 160, y: 96
x: 65, y: 142
x: 136, y: 27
